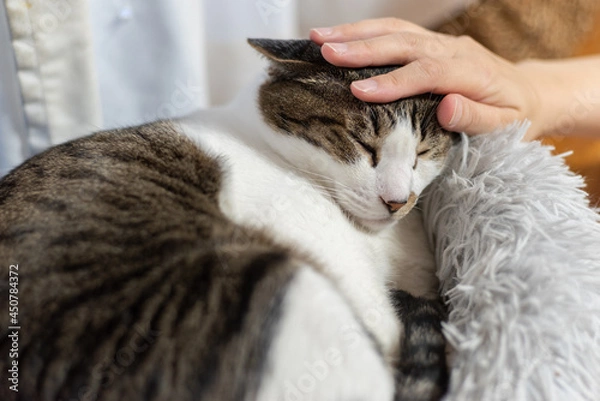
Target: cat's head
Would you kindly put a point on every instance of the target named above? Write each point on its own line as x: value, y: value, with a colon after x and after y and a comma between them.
x: 374, y: 159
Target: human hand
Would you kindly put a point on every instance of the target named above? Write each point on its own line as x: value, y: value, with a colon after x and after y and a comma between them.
x: 483, y: 91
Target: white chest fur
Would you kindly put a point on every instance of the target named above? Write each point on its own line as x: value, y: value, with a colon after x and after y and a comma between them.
x: 261, y: 192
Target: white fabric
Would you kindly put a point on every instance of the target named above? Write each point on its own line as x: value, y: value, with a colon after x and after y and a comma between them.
x: 53, y: 52
x: 96, y: 64
x: 13, y: 129
x: 149, y: 59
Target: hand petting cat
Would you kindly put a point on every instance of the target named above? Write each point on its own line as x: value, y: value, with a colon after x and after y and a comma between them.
x: 483, y: 91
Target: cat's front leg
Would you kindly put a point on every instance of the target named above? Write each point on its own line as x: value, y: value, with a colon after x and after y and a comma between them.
x: 421, y: 371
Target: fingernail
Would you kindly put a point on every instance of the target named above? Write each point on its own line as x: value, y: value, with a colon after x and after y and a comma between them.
x: 457, y: 114
x: 338, y: 48
x: 366, y: 85
x: 323, y: 31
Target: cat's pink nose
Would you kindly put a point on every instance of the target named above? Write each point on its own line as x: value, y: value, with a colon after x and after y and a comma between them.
x: 394, y: 205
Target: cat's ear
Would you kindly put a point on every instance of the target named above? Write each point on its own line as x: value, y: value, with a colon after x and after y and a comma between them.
x: 289, y: 51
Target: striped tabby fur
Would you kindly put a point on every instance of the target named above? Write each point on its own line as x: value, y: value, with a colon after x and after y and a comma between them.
x: 145, y: 273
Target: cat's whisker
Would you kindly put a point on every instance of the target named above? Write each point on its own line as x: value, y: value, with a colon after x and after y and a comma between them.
x: 365, y: 207
x: 315, y: 174
x: 331, y: 180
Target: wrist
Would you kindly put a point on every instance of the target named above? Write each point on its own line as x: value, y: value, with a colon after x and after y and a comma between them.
x: 542, y: 94
x: 568, y: 93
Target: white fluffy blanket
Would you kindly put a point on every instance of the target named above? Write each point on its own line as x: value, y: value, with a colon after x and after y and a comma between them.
x: 518, y: 253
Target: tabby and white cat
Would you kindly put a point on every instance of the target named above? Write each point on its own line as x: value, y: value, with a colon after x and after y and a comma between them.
x: 247, y: 253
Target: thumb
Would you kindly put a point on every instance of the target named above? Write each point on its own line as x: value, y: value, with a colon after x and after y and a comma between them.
x: 458, y: 113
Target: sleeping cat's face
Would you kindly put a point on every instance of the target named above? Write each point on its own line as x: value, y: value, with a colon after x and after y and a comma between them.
x: 374, y: 159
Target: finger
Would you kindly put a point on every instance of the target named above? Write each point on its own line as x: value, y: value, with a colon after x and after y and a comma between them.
x: 362, y: 30
x: 425, y: 75
x: 398, y: 48
x: 460, y: 114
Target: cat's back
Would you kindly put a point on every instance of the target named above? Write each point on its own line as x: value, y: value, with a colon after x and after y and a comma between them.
x: 119, y: 179
x: 126, y: 265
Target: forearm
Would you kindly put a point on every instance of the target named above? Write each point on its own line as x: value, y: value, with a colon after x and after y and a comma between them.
x: 567, y: 96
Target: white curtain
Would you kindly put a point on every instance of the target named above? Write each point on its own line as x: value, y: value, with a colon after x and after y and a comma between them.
x: 68, y: 68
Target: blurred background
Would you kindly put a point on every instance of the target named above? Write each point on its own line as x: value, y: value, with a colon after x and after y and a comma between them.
x: 585, y: 159
x: 545, y: 29
x: 68, y: 68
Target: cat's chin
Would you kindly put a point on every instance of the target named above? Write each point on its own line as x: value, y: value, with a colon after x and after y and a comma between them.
x: 370, y: 225
x: 375, y: 225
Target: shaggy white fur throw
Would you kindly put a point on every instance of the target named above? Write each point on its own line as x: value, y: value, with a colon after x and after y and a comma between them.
x: 518, y: 253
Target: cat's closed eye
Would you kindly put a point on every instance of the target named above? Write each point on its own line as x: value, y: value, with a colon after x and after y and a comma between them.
x: 423, y: 152
x: 370, y: 150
